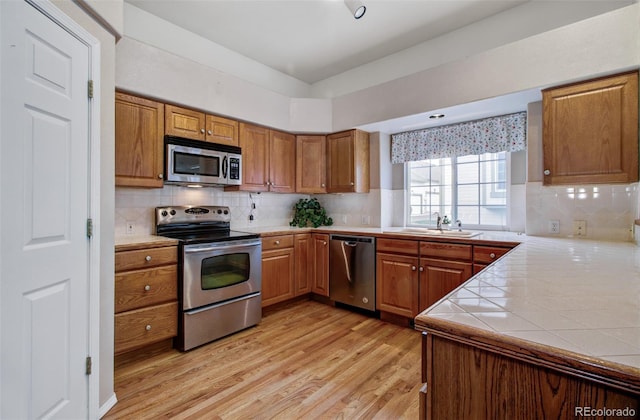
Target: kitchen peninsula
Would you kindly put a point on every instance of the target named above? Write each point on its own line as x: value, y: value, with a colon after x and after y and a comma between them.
x: 548, y: 331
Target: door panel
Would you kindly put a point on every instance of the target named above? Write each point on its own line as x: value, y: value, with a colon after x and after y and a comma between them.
x: 44, y: 173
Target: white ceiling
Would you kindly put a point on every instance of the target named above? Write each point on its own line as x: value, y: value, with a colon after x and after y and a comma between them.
x: 313, y: 40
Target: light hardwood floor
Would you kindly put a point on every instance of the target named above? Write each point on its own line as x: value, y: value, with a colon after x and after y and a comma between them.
x: 305, y: 361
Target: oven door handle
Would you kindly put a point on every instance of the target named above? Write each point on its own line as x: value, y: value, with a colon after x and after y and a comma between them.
x: 221, y: 247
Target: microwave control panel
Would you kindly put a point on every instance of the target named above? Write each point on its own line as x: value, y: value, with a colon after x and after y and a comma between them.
x: 234, y: 168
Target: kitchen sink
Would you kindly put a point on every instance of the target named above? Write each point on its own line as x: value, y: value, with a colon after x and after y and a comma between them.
x: 438, y: 232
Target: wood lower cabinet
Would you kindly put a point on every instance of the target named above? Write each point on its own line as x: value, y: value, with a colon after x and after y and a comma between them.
x: 485, y: 255
x: 146, y: 297
x: 397, y: 284
x: 348, y: 162
x: 412, y: 275
x: 590, y: 131
x: 438, y: 278
x: 278, y: 269
x: 311, y: 164
x: 304, y: 263
x: 469, y: 376
x: 139, y: 130
x: 320, y: 284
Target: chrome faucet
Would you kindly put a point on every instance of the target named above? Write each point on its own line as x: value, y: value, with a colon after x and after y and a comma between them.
x: 438, y: 220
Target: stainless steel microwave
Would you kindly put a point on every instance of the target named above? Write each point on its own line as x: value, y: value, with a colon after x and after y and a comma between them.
x: 190, y: 162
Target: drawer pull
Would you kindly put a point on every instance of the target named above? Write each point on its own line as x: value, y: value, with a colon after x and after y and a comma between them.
x: 147, y: 258
x: 147, y: 287
x: 492, y: 255
x: 277, y: 242
x: 148, y: 327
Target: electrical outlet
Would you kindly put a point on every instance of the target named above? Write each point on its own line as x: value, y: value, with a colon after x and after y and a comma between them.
x: 554, y: 226
x: 344, y: 219
x: 366, y: 220
x: 580, y: 227
x: 131, y: 227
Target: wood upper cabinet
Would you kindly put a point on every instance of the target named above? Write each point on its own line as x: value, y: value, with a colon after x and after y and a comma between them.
x: 304, y: 263
x: 348, y: 162
x: 183, y: 122
x: 254, y: 142
x: 590, y: 131
x: 268, y: 160
x: 282, y: 162
x: 196, y: 125
x: 222, y: 130
x: 139, y: 141
x: 311, y: 164
x: 278, y: 269
x: 320, y: 284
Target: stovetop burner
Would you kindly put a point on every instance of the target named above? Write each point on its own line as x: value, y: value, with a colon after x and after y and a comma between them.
x: 197, y: 224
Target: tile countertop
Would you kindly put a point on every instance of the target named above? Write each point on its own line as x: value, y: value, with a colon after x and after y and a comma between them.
x: 581, y: 297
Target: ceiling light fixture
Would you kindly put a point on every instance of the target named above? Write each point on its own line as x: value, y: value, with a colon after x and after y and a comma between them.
x: 356, y: 7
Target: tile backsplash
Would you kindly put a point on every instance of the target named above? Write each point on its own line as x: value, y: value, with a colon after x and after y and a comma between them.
x: 608, y: 210
x: 136, y: 206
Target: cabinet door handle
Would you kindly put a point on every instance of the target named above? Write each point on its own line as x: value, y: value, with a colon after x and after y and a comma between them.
x: 413, y: 268
x: 421, y: 268
x: 147, y: 288
x: 324, y: 242
x: 322, y: 185
x: 209, y: 132
x: 202, y: 130
x: 160, y: 176
x: 351, y: 183
x: 547, y: 172
x: 148, y: 327
x: 492, y: 255
x: 147, y: 258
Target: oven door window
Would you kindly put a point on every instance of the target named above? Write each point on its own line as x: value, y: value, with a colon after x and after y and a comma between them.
x: 190, y: 164
x: 224, y: 270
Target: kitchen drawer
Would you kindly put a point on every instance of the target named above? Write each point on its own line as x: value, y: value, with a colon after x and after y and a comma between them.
x: 137, y: 328
x: 488, y: 254
x: 447, y: 251
x: 277, y: 242
x: 136, y: 289
x: 144, y: 258
x: 397, y: 246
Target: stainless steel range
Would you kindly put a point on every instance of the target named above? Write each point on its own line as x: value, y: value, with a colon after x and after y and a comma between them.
x: 220, y: 273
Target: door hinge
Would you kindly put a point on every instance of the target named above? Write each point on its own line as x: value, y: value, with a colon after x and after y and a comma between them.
x: 88, y: 365
x: 90, y: 89
x: 89, y: 228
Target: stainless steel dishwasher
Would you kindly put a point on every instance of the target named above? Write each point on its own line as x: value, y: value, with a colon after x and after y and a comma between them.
x: 352, y: 271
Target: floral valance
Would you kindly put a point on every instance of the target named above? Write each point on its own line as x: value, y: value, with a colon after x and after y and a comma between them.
x: 488, y: 135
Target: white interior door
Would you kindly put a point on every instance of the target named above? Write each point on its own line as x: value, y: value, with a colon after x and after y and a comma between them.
x: 44, y: 197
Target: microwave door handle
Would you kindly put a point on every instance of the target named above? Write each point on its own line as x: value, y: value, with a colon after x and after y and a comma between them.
x: 225, y: 167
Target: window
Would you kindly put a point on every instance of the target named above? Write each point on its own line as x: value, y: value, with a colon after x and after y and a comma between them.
x: 470, y: 188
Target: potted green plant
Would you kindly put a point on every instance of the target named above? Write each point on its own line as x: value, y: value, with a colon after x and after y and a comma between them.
x: 309, y: 211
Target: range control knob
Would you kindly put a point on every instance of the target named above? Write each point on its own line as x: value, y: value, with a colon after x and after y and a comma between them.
x: 219, y: 211
x: 164, y: 213
x: 226, y: 212
x: 172, y: 212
